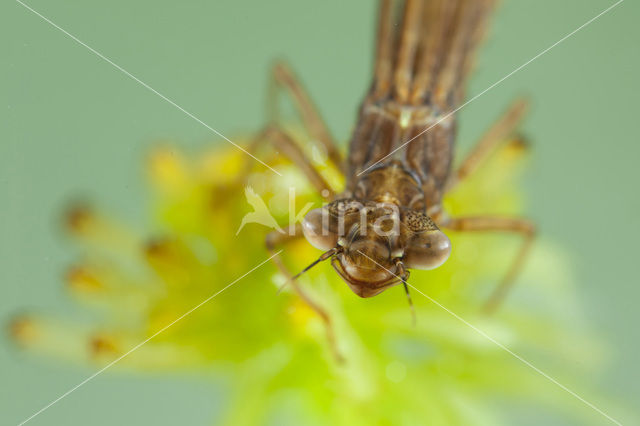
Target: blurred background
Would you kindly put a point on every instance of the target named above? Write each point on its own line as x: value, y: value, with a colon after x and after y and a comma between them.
x: 73, y: 125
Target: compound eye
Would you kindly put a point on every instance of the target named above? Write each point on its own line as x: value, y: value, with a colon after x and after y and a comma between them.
x: 427, y: 250
x: 317, y: 231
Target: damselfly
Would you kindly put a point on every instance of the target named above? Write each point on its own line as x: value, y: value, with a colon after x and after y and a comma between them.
x: 388, y: 218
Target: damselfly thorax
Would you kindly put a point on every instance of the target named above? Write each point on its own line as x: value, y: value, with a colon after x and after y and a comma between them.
x: 388, y: 218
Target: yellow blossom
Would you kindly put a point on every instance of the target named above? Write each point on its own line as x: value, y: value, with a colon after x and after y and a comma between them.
x: 273, y: 347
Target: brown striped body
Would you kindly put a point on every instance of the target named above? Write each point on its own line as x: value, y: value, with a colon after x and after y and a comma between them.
x: 401, y: 151
x: 419, y: 79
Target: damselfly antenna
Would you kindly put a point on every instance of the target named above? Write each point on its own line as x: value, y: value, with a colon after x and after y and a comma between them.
x: 324, y: 256
x: 404, y: 276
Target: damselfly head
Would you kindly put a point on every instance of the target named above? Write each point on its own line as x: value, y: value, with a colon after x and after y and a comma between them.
x: 372, y: 239
x: 365, y: 234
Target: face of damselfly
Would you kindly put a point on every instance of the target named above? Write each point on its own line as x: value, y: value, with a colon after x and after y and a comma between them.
x: 374, y: 242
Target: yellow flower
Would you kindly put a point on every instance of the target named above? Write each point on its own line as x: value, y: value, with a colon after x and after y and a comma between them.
x: 273, y: 347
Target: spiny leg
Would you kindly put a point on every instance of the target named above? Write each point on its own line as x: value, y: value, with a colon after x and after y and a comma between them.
x: 282, y: 75
x: 275, y: 239
x: 497, y: 134
x: 499, y: 224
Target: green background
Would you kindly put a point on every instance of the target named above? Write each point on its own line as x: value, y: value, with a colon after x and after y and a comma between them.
x: 73, y: 125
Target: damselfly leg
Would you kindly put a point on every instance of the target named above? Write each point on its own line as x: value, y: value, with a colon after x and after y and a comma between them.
x: 290, y: 149
x: 286, y: 145
x: 519, y: 226
x: 282, y: 76
x: 276, y: 239
x: 497, y: 134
